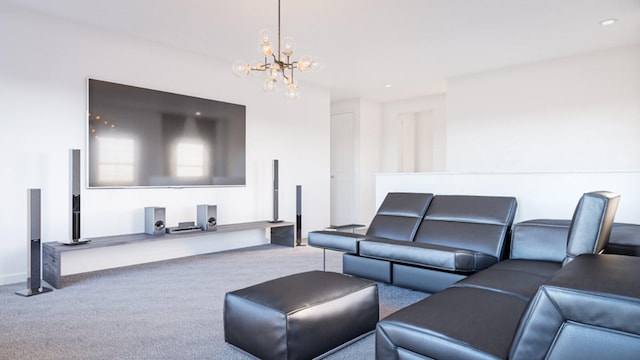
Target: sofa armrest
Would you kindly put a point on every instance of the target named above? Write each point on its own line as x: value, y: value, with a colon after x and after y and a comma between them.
x: 540, y: 239
x: 593, y: 300
x: 335, y: 240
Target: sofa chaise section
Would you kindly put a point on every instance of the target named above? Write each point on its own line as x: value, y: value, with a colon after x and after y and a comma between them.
x: 593, y: 301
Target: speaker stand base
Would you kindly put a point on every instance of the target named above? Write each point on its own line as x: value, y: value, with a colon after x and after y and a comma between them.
x: 31, y: 292
x: 78, y: 242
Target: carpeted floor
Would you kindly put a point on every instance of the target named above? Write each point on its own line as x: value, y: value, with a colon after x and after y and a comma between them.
x: 164, y: 310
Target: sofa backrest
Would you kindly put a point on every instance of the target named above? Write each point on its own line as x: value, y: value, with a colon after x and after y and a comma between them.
x: 562, y: 240
x: 479, y: 223
x: 399, y: 216
x: 591, y: 224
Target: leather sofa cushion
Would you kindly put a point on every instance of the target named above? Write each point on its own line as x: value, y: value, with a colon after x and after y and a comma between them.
x: 335, y: 240
x: 482, y: 238
x: 399, y: 216
x: 540, y: 239
x: 546, y: 239
x: 520, y: 278
x: 625, y: 234
x: 624, y: 239
x: 591, y: 224
x: 476, y: 223
x: 594, y: 300
x: 434, y: 256
x: 457, y: 323
x: 497, y: 210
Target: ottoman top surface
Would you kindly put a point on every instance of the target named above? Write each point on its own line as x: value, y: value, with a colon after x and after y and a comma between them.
x: 300, y: 291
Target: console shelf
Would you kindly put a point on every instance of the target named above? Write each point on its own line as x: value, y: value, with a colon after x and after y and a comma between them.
x: 61, y: 260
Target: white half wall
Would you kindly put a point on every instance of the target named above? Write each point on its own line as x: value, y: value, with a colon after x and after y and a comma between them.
x: 43, y: 70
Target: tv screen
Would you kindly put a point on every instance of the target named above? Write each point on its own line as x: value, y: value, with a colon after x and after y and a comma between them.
x: 146, y: 138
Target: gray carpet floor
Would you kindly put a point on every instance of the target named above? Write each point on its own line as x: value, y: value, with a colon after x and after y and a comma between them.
x: 164, y: 310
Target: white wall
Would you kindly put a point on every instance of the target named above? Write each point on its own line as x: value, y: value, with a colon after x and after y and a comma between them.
x: 43, y: 69
x: 394, y: 112
x: 544, y: 132
x: 579, y: 113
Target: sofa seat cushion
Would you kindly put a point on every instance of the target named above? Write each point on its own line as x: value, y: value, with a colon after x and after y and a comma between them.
x: 428, y: 255
x: 457, y: 323
x: 335, y: 240
x: 520, y: 278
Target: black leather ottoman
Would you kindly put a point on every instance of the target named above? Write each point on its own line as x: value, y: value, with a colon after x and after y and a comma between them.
x: 300, y: 316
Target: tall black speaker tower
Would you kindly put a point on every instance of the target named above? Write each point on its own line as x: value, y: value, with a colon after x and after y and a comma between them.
x: 34, y: 283
x: 299, y: 215
x: 275, y: 193
x: 74, y: 176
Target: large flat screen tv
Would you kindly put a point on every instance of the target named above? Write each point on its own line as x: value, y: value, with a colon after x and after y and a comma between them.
x: 146, y: 138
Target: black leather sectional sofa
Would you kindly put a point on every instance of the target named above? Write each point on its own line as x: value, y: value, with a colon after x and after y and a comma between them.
x: 544, y: 295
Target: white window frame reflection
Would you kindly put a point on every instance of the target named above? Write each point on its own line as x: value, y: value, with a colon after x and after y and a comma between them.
x: 116, y: 160
x: 191, y: 159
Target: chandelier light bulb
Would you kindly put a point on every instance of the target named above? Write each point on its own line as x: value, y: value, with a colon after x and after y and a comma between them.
x: 291, y: 92
x: 287, y: 46
x: 304, y: 64
x: 240, y: 68
x: 264, y: 43
x: 316, y: 65
x: 270, y: 85
x: 264, y: 35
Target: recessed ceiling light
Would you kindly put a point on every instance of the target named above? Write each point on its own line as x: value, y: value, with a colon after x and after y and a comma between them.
x: 387, y: 85
x: 606, y: 22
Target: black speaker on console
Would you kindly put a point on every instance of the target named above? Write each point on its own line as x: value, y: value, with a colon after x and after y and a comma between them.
x: 154, y: 220
x: 275, y: 193
x: 34, y: 259
x: 74, y: 175
x: 208, y: 217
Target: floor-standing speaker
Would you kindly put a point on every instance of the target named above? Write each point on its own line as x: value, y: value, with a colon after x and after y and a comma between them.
x: 74, y: 165
x: 34, y: 260
x: 275, y: 193
x: 208, y: 217
x: 154, y: 220
x: 299, y: 215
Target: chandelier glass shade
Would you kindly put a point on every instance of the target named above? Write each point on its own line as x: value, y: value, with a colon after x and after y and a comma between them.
x: 278, y: 64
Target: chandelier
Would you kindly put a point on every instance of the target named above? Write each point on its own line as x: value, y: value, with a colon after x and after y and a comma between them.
x: 277, y: 65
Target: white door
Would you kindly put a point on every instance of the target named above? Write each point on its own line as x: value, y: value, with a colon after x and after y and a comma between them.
x: 343, y: 169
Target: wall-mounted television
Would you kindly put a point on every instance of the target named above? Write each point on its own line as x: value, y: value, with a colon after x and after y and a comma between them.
x: 146, y: 138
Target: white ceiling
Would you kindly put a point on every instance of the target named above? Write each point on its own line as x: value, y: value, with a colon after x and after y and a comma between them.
x: 414, y: 45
